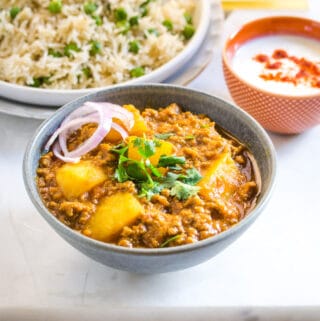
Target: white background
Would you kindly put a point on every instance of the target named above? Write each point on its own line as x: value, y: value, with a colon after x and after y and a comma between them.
x: 275, y: 263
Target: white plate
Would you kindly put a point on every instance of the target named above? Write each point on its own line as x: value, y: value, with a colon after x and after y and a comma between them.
x: 58, y: 97
x: 187, y: 72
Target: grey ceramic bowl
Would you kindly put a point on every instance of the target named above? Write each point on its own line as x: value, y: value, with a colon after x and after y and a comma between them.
x: 231, y: 118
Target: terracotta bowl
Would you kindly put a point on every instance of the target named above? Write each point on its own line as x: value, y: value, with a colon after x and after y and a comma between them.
x: 276, y: 112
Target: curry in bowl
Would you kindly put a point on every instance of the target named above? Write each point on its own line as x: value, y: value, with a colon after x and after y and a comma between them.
x: 151, y: 179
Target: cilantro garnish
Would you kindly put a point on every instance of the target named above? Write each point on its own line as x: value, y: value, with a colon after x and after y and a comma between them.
x: 148, y: 178
x: 183, y: 191
x: 192, y: 177
x: 173, y: 238
x: 146, y: 147
x: 170, y: 161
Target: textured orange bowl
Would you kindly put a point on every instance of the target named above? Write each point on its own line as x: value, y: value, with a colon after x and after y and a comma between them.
x: 276, y: 112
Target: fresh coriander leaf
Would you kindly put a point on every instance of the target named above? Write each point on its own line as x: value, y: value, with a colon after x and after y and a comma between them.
x: 14, y: 12
x: 167, y: 161
x: 169, y: 180
x: 192, y: 177
x: 145, y: 147
x: 189, y: 137
x: 148, y: 189
x: 121, y: 174
x: 149, y: 148
x: 123, y: 159
x: 153, y: 169
x: 183, y: 191
x: 163, y: 136
x: 120, y: 149
x: 171, y: 239
x: 136, y: 171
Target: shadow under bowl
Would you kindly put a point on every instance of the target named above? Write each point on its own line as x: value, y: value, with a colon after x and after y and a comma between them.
x: 281, y: 113
x: 229, y: 117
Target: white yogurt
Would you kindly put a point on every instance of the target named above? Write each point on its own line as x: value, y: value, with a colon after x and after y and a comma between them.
x: 249, y: 69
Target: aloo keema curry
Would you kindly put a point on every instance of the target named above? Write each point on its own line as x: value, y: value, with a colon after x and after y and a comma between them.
x: 149, y: 179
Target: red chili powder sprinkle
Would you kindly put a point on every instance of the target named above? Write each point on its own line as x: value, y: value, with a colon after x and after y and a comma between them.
x: 308, y: 71
x: 274, y: 65
x: 261, y: 58
x: 279, y: 54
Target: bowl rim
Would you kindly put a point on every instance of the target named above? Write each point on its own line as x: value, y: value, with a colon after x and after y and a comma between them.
x: 251, y: 23
x: 189, y: 49
x: 31, y: 188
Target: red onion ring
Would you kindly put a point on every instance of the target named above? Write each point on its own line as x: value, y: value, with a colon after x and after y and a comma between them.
x: 90, y: 112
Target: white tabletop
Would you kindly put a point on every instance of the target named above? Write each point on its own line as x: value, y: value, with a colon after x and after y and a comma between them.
x: 275, y: 263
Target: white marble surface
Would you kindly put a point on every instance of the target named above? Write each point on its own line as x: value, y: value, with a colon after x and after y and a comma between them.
x: 275, y: 263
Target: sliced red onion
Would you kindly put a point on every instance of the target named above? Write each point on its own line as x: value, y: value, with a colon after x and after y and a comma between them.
x: 74, y: 124
x: 90, y: 112
x: 57, y: 152
x: 120, y: 130
x: 102, y: 130
x: 117, y: 112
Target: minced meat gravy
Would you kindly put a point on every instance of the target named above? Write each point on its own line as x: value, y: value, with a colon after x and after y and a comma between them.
x: 166, y: 220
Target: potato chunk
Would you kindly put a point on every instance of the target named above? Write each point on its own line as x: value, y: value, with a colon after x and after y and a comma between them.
x: 138, y: 129
x: 140, y: 126
x: 76, y: 179
x: 165, y: 148
x: 222, y: 177
x: 113, y: 213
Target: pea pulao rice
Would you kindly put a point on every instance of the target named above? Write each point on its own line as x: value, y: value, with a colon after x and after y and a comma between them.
x: 73, y: 44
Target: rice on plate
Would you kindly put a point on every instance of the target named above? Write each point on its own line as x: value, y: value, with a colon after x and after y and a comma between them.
x: 73, y: 44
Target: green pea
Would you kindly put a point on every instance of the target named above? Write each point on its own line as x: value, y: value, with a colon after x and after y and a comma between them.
x: 72, y: 46
x: 95, y: 48
x: 134, y: 21
x: 134, y: 47
x: 55, y: 6
x: 120, y: 14
x: 54, y: 53
x: 137, y: 72
x: 39, y: 81
x: 124, y: 26
x: 188, y: 18
x: 188, y: 31
x: 87, y: 72
x: 153, y: 31
x: 90, y: 7
x: 144, y: 11
x: 14, y: 12
x: 98, y: 20
x: 168, y: 24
